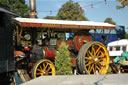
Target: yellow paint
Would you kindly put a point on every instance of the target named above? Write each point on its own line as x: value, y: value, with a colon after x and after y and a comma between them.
x: 99, y: 60
x: 42, y: 69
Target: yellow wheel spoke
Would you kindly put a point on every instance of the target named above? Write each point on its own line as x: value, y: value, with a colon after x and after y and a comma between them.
x: 101, y: 65
x: 98, y: 49
x: 93, y: 50
x: 94, y: 70
x: 87, y: 58
x: 38, y: 73
x: 98, y: 53
x: 97, y: 68
x: 43, y: 64
x: 41, y: 67
x: 87, y: 54
x: 38, y: 69
x: 88, y: 63
x: 48, y: 69
x: 102, y: 55
x: 99, y: 60
x: 91, y: 68
x: 90, y: 54
x: 46, y: 66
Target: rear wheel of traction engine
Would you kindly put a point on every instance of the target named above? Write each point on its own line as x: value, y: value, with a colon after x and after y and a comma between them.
x: 93, y: 58
x: 43, y: 67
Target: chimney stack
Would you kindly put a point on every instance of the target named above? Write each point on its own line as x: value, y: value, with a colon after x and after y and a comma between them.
x: 33, y: 13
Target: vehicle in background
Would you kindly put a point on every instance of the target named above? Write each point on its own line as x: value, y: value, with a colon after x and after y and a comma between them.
x: 118, y: 52
x: 111, y: 35
x: 116, y: 48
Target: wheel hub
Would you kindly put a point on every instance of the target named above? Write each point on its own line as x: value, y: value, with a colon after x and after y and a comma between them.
x: 95, y: 59
x: 44, y: 72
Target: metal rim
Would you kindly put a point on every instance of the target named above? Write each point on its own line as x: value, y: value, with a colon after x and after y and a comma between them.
x: 42, y: 68
x: 93, y: 58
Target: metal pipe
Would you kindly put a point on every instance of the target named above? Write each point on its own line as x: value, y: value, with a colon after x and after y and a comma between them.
x: 33, y: 13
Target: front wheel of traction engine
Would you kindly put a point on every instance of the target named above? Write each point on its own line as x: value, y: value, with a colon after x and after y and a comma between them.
x: 43, y: 67
x: 93, y: 58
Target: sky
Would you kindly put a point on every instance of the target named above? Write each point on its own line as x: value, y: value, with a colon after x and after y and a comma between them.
x: 98, y: 13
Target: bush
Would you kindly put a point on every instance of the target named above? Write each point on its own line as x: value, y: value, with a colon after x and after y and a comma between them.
x: 62, y: 60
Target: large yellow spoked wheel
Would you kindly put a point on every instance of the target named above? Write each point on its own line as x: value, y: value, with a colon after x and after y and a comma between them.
x: 43, y: 67
x: 93, y: 58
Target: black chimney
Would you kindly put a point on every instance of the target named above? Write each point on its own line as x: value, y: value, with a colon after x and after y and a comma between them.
x: 33, y: 13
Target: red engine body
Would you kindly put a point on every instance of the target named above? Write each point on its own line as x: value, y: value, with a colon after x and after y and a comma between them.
x: 74, y: 44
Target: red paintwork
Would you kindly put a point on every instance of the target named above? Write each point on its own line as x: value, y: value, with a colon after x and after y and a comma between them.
x: 77, y: 43
x: 27, y: 49
x: 49, y: 53
x: 89, y: 38
x: 60, y: 26
x: 68, y: 42
x: 79, y: 40
x: 30, y: 24
x: 73, y: 62
x: 69, y: 53
x: 59, y: 43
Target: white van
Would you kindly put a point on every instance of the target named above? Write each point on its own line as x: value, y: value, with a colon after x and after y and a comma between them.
x: 116, y: 48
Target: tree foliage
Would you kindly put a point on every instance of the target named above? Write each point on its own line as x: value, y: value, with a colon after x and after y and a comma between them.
x: 110, y: 21
x: 71, y: 11
x: 19, y: 7
x: 4, y: 2
x: 50, y: 17
x: 124, y: 3
x: 126, y: 35
x: 62, y: 60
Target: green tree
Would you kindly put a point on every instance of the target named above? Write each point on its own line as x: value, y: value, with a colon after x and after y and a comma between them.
x: 62, y: 60
x: 124, y: 3
x: 110, y: 21
x: 50, y: 17
x: 71, y: 11
x: 4, y: 2
x: 19, y: 7
x: 126, y: 35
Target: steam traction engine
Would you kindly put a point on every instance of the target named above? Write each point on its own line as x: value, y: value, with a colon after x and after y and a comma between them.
x: 90, y: 57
